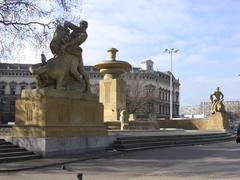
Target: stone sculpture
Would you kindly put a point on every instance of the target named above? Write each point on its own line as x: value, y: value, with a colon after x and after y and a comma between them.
x: 65, y: 70
x: 217, y: 101
x: 124, y: 119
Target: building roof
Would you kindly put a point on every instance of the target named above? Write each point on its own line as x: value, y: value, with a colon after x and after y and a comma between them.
x: 14, y: 66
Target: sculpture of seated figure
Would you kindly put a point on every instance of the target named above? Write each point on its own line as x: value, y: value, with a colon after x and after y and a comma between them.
x: 217, y: 101
x: 65, y: 70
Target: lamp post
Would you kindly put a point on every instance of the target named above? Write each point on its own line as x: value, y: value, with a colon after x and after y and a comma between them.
x: 171, y: 51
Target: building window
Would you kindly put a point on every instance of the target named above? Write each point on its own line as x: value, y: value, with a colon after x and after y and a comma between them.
x: 150, y: 90
x: 12, y: 106
x: 150, y: 107
x: 177, y: 96
x: 2, y: 89
x: 13, y: 90
x: 160, y: 109
x: 166, y: 96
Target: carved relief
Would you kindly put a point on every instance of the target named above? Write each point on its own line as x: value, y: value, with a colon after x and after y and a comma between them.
x: 29, y: 108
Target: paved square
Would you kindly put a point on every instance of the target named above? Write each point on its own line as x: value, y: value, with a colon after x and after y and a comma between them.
x: 215, y: 161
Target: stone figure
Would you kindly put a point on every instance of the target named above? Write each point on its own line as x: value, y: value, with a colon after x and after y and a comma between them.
x: 124, y: 119
x: 217, y: 101
x: 65, y: 70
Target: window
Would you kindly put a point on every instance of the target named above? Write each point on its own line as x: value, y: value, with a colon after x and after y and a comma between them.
x: 150, y: 90
x: 177, y: 96
x: 12, y: 106
x: 166, y: 96
x: 150, y: 107
x: 12, y: 90
x: 2, y: 88
x: 160, y: 109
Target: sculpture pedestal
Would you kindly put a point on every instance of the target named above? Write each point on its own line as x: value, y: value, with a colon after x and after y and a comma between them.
x: 53, y: 121
x: 112, y: 95
x: 218, y: 121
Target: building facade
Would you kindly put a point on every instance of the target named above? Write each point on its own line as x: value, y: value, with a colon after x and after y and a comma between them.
x: 148, y: 92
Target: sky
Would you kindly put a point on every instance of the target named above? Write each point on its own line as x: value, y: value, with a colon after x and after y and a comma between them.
x: 207, y: 33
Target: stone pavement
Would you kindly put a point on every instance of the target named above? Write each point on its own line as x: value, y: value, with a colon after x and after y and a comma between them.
x: 214, y: 161
x: 53, y: 161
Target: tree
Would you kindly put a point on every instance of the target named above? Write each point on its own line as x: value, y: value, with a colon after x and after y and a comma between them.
x: 31, y: 21
x: 138, y: 96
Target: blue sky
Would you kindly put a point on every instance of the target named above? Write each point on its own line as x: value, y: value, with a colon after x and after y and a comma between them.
x: 207, y: 32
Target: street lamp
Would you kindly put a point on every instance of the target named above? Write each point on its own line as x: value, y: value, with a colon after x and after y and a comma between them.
x: 171, y: 51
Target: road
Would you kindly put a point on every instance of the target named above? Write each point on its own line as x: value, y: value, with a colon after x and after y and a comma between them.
x: 213, y: 161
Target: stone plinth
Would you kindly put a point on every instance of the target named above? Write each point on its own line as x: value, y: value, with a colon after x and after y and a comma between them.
x: 51, y: 116
x: 49, y: 121
x: 112, y: 95
x: 218, y: 121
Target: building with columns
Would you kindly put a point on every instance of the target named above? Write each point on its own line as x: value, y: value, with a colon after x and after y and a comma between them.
x: 148, y: 92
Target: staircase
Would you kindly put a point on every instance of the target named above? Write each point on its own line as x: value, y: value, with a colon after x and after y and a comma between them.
x: 10, y: 152
x: 132, y: 143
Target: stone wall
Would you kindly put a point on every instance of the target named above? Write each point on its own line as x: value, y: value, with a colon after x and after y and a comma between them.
x: 216, y: 122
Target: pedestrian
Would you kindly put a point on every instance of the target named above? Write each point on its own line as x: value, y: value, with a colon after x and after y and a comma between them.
x: 238, y: 134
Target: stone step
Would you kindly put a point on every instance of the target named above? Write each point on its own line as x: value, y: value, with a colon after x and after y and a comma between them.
x: 128, y: 138
x: 138, y: 143
x: 18, y: 158
x: 167, y: 138
x: 168, y: 142
x: 171, y: 145
x: 11, y: 154
x: 4, y: 146
x: 4, y: 142
x: 17, y: 149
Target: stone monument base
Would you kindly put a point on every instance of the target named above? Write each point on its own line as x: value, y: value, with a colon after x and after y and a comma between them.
x: 56, y: 146
x: 49, y: 121
x: 218, y: 121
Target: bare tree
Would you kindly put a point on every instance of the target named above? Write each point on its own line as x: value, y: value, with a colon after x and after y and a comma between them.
x: 137, y: 97
x: 31, y: 21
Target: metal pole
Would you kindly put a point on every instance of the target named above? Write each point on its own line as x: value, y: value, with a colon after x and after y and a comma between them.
x: 171, y: 51
x: 171, y: 89
x: 203, y: 109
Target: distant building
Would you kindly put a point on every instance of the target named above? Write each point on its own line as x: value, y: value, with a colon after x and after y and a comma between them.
x: 152, y: 86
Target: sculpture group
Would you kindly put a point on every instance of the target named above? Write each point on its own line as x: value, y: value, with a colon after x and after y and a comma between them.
x: 217, y: 101
x: 65, y: 70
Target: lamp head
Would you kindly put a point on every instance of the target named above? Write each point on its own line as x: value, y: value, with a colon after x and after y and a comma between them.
x: 176, y: 50
x: 165, y: 50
